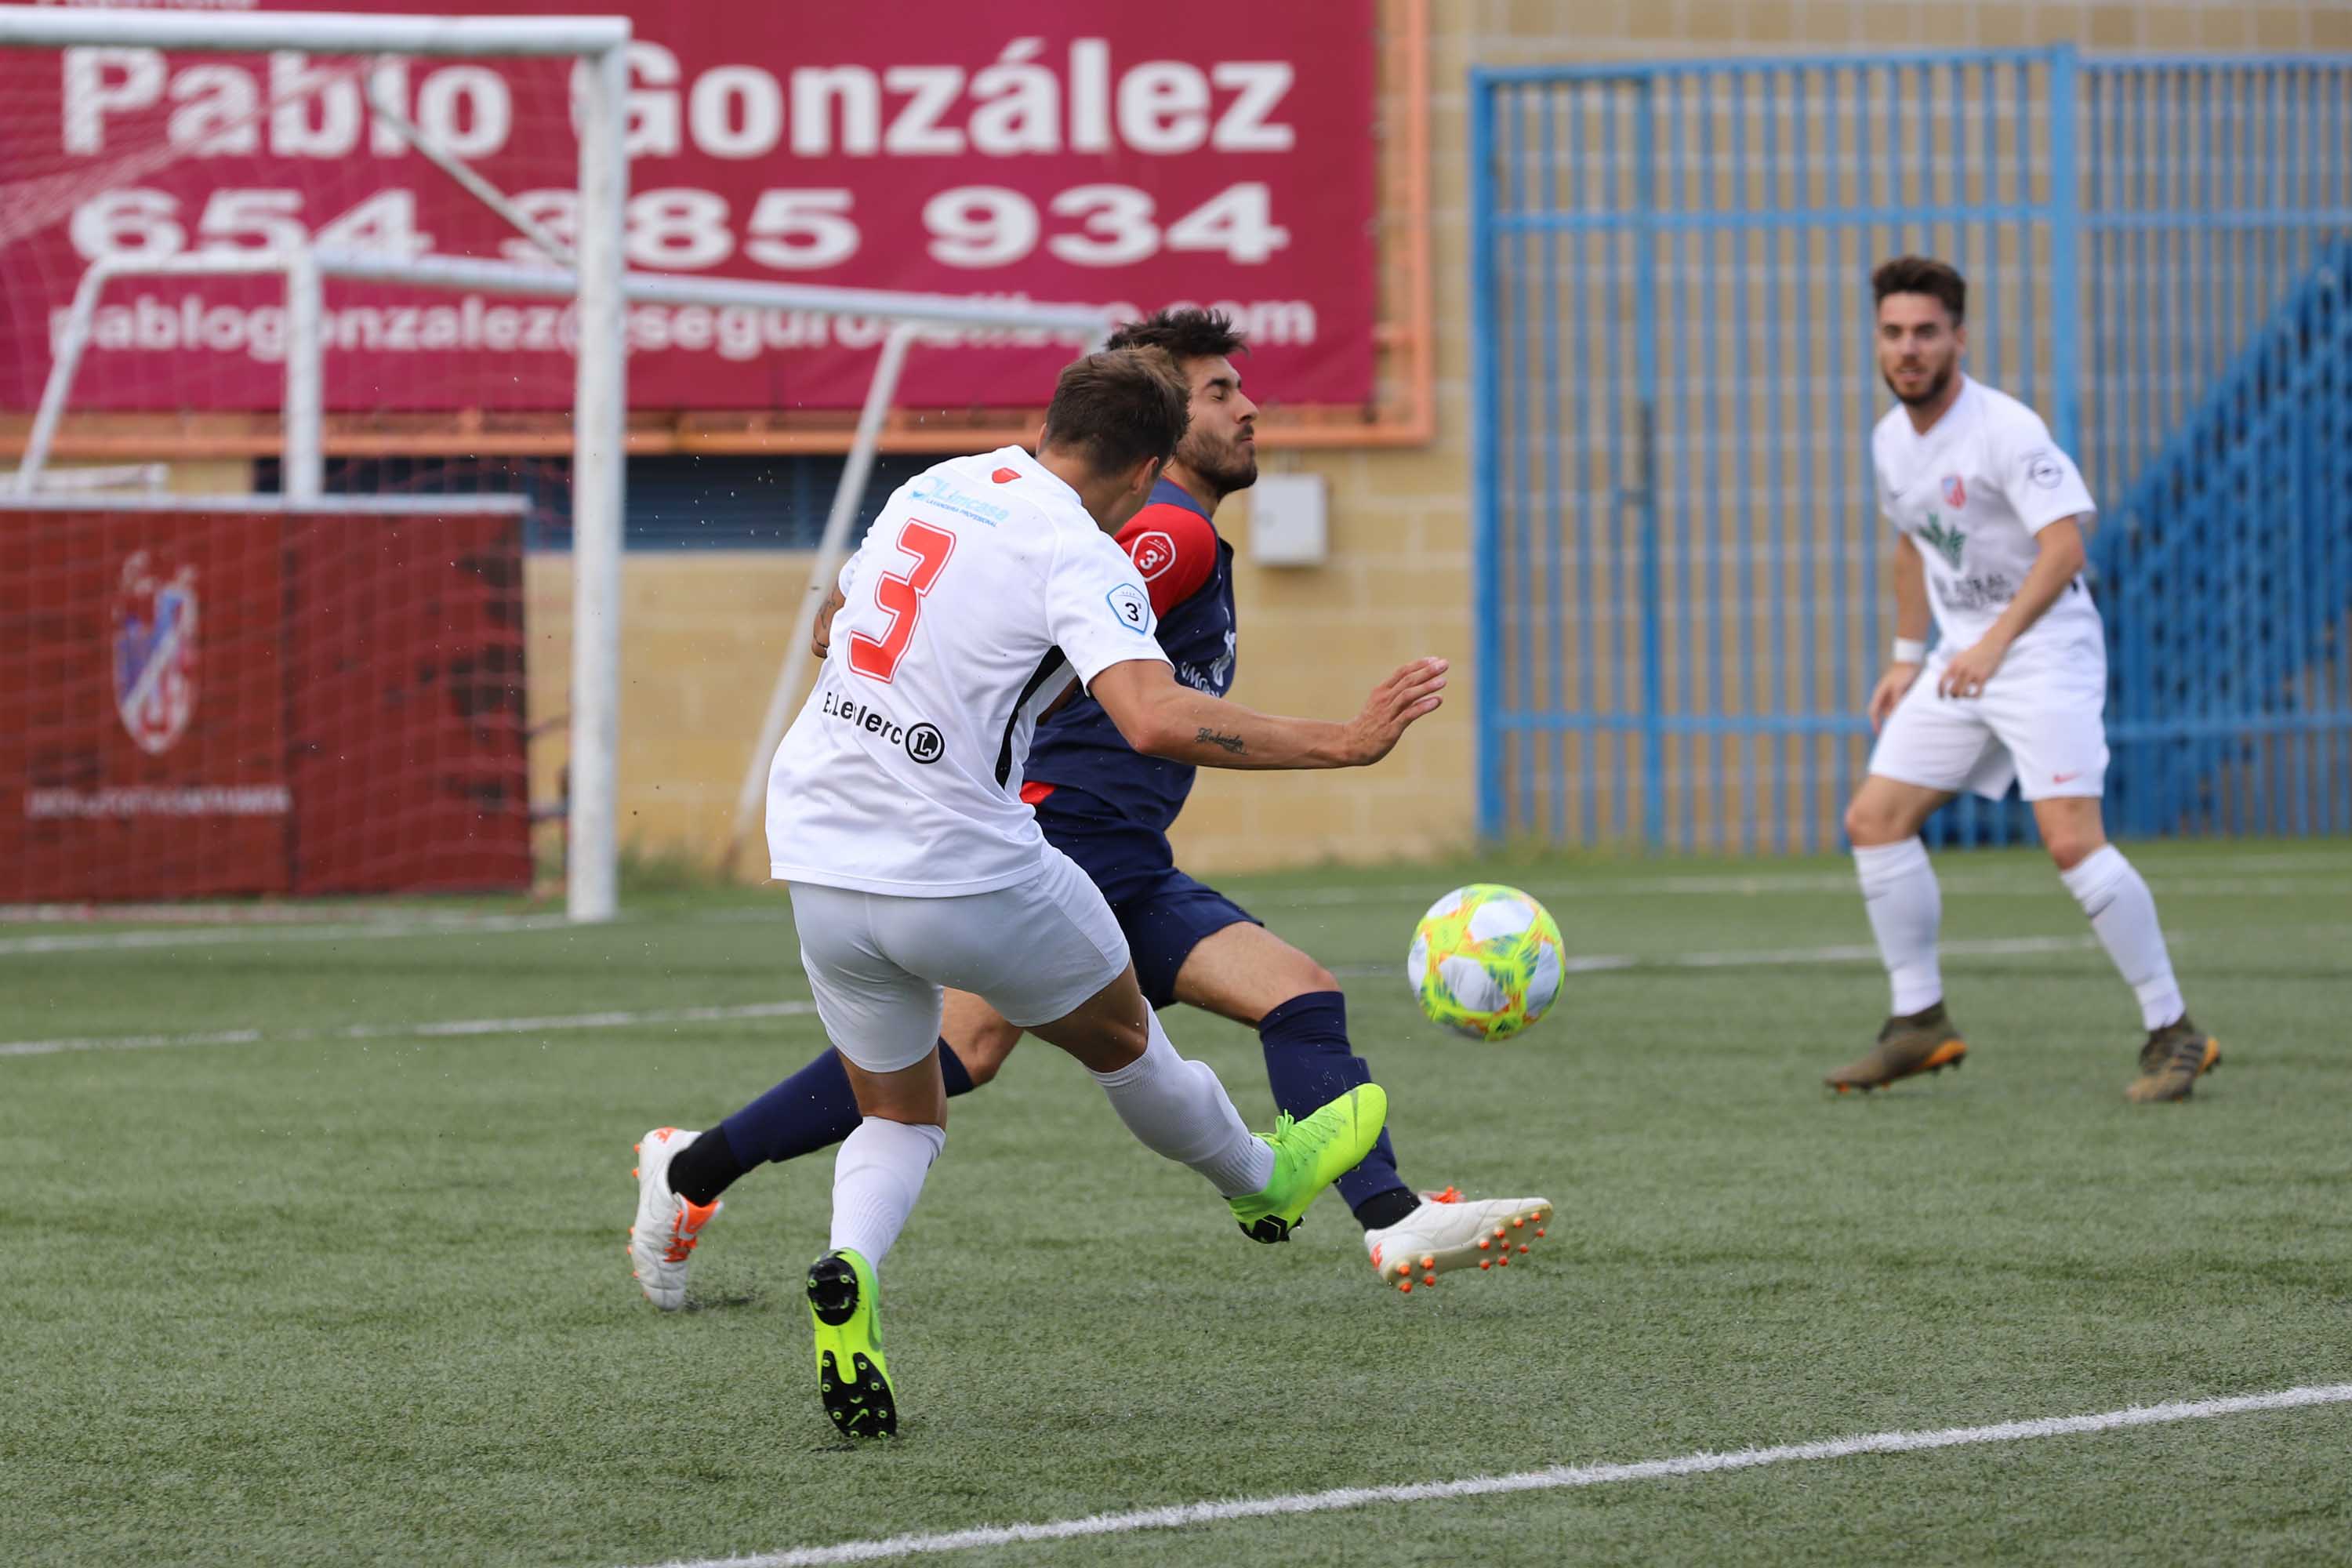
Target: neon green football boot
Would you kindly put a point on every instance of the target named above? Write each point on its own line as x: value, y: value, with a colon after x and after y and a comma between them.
x: 1309, y: 1156
x: 843, y: 1303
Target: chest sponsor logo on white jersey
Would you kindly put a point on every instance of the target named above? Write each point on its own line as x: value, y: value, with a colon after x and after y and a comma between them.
x: 1968, y: 595
x: 1956, y: 494
x: 922, y: 741
x: 1944, y: 540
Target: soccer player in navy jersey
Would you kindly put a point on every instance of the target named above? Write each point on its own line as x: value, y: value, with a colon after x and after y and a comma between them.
x: 1108, y: 808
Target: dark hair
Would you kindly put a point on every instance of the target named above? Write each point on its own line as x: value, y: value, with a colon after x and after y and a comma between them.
x: 1940, y: 280
x: 1183, y: 334
x: 1119, y: 406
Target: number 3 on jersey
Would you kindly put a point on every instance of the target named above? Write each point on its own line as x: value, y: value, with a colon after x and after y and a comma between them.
x: 901, y: 598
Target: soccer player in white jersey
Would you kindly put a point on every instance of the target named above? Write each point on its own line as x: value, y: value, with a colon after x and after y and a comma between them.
x: 1991, y: 513
x: 1109, y: 809
x: 988, y: 588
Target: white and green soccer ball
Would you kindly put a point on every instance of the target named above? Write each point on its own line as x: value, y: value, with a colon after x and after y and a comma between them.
x: 1484, y: 961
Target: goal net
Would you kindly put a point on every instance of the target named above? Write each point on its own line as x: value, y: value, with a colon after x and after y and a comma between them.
x: 246, y: 684
x: 203, y: 696
x: 355, y: 293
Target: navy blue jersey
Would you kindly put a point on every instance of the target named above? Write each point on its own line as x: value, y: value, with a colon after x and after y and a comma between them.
x: 1188, y: 571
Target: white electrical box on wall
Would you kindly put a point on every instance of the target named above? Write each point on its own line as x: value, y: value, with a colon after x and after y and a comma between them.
x: 1288, y: 520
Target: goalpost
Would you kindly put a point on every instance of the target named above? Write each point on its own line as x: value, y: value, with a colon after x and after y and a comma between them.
x: 154, y: 144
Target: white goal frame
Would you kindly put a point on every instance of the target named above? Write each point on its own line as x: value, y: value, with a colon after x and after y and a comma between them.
x: 593, y: 276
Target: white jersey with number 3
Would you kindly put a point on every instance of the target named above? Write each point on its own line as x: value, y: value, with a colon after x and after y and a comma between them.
x: 1969, y: 495
x: 981, y: 592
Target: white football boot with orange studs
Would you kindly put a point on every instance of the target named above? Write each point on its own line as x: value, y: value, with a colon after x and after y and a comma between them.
x: 667, y: 1226
x: 1449, y: 1231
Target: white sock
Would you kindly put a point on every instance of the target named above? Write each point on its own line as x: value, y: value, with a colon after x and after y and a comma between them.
x: 1177, y: 1107
x: 2123, y: 911
x: 1906, y: 909
x: 876, y: 1177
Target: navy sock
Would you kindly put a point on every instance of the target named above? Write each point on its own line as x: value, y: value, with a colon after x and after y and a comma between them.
x: 951, y: 1070
x: 812, y: 1110
x: 1310, y: 1063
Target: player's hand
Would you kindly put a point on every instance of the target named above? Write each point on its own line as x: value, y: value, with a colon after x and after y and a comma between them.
x: 1395, y: 703
x: 821, y: 639
x: 1892, y: 688
x: 1969, y: 669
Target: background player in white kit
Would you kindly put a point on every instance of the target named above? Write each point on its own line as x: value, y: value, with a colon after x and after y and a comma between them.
x: 987, y: 587
x: 1991, y: 512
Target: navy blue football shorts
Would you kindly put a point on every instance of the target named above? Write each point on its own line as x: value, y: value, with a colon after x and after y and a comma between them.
x: 1164, y: 913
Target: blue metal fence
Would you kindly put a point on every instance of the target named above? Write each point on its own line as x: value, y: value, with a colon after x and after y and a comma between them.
x: 1681, y: 584
x: 2230, y: 611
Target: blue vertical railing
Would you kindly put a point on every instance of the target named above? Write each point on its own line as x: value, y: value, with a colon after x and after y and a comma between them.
x: 1680, y: 572
x: 2229, y: 615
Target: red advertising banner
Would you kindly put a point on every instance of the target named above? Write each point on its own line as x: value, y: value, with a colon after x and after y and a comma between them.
x: 143, y: 720
x: 1222, y: 153
x: 406, y: 743
x: 206, y: 703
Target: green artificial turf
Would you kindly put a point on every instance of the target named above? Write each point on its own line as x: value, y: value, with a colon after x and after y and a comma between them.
x: 321, y: 1296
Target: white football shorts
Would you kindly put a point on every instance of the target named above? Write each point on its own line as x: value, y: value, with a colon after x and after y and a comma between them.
x: 877, y: 961
x: 2040, y: 722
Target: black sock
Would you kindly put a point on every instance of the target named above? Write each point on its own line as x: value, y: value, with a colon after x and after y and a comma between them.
x: 812, y: 1110
x: 951, y: 1070
x: 1382, y: 1210
x: 705, y: 1168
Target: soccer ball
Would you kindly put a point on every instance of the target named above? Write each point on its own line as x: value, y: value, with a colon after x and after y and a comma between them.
x: 1485, y: 961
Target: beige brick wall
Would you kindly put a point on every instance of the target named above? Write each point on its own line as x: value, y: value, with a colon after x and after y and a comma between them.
x: 704, y: 631
x: 703, y: 636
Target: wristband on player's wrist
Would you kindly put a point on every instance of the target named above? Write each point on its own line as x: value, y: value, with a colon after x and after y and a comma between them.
x: 1909, y: 650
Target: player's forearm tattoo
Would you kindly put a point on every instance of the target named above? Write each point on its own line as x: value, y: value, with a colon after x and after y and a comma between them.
x: 1230, y: 742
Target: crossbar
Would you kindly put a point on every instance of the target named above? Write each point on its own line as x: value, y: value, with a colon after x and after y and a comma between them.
x: 33, y: 26
x: 458, y: 273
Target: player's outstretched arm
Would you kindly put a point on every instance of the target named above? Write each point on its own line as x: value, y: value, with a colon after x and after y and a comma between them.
x: 1162, y: 719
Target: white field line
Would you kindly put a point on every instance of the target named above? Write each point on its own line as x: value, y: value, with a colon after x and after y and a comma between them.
x: 1583, y: 964
x: 238, y: 926
x: 1413, y: 895
x: 223, y: 936
x: 1851, y: 952
x: 1742, y: 958
x: 1961, y: 885
x: 270, y: 911
x: 1553, y: 1479
x: 446, y: 1028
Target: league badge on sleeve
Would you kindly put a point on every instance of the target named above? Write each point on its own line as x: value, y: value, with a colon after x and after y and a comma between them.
x: 1133, y: 608
x: 1152, y: 553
